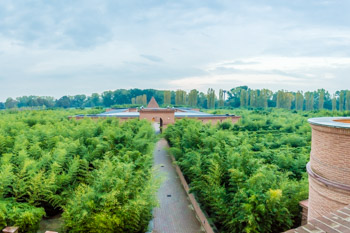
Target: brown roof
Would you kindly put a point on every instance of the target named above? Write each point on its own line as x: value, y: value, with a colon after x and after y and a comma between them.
x: 153, y: 103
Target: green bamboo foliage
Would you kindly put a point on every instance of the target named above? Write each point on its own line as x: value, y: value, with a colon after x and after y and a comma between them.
x: 99, y: 173
x: 248, y: 177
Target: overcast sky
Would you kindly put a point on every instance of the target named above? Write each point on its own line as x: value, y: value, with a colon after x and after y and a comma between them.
x: 69, y: 47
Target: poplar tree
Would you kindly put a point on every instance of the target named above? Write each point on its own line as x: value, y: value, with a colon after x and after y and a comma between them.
x: 167, y: 97
x: 299, y: 101
x: 180, y: 97
x: 244, y: 98
x: 221, y: 98
x: 334, y: 104
x: 309, y: 101
x: 193, y: 98
x: 347, y: 101
x: 321, y: 100
x: 341, y: 101
x: 211, y: 98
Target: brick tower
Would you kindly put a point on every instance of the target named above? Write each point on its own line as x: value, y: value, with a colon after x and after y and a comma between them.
x: 329, y: 166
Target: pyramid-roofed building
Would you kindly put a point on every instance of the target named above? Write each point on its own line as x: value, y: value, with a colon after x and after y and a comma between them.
x: 164, y: 116
x: 153, y: 103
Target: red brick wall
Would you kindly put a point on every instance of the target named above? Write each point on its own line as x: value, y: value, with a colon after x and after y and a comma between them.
x: 214, y: 119
x: 167, y: 117
x: 330, y: 159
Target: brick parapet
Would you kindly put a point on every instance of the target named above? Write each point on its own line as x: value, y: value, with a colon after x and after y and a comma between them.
x: 329, y: 168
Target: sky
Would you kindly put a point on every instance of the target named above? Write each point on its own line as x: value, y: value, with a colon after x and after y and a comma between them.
x: 56, y: 48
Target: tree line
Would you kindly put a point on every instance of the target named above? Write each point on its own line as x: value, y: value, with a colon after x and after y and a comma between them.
x: 241, y: 96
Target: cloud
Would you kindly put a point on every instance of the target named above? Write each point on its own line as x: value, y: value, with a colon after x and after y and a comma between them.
x: 151, y: 58
x: 71, y: 47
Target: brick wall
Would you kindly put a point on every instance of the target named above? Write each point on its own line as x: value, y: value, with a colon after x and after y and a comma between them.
x: 329, y: 187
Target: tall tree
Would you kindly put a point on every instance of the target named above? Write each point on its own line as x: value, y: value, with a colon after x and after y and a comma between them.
x: 244, y: 98
x: 284, y: 99
x: 309, y: 101
x: 253, y: 98
x: 211, y: 98
x: 10, y: 103
x: 221, y: 98
x: 167, y: 97
x: 299, y: 101
x: 193, y: 98
x: 180, y: 98
x: 107, y: 98
x: 321, y: 99
x: 144, y: 99
x: 95, y: 100
x: 347, y: 101
x: 264, y: 96
x: 334, y: 104
x: 64, y: 102
x: 341, y: 101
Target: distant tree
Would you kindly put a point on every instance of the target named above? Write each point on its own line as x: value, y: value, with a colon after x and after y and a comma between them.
x: 211, y: 98
x: 2, y: 105
x: 133, y: 100
x: 193, y: 98
x: 299, y: 101
x: 321, y: 99
x: 107, y: 98
x: 347, y: 101
x: 78, y: 101
x: 64, y: 102
x: 221, y: 98
x: 235, y: 96
x: 10, y: 103
x: 284, y: 99
x: 244, y: 98
x: 263, y: 98
x: 309, y: 101
x: 95, y: 100
x: 167, y: 97
x: 180, y: 97
x: 341, y: 101
x: 121, y: 96
x: 144, y: 99
x: 202, y: 100
x: 334, y: 104
x: 253, y: 98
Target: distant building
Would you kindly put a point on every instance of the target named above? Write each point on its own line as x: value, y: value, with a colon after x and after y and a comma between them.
x: 163, y: 116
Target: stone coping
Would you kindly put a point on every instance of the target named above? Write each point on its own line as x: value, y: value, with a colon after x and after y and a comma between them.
x: 333, y: 122
x: 326, y: 181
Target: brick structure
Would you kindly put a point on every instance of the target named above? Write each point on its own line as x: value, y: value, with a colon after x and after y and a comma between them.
x: 305, y: 206
x: 163, y: 116
x: 329, y: 166
x: 337, y: 221
x: 10, y: 230
x: 153, y: 103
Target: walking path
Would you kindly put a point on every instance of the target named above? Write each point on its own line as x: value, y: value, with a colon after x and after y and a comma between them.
x: 175, y: 213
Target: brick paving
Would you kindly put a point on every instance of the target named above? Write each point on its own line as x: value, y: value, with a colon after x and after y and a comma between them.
x: 175, y: 213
